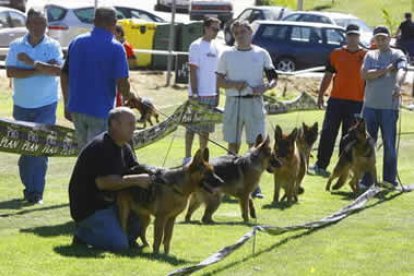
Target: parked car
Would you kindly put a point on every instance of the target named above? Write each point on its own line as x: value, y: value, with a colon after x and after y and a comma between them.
x: 15, y: 4
x: 165, y: 5
x: 12, y: 25
x: 335, y: 18
x: 297, y: 45
x: 222, y: 9
x: 73, y: 18
x: 255, y: 13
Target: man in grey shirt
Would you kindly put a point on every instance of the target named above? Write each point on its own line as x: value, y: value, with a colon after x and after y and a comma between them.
x: 383, y: 69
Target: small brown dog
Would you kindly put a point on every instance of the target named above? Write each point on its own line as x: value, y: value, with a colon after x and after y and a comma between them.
x: 307, y: 136
x: 166, y: 198
x: 290, y: 174
x: 357, y: 158
x: 147, y: 110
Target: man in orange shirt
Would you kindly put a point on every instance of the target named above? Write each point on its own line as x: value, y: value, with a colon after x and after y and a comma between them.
x: 346, y: 97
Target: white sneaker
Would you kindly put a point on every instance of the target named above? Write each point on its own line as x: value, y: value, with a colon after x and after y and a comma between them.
x: 186, y: 160
x: 410, y: 106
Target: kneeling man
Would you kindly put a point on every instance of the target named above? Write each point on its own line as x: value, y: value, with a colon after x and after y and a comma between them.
x: 99, y: 172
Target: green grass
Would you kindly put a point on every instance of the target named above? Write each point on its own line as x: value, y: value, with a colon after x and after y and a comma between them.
x: 368, y: 10
x: 36, y: 240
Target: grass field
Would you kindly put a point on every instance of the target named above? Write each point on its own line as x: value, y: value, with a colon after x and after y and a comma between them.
x: 36, y: 240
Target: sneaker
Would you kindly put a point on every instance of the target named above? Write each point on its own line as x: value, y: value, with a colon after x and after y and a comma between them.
x: 34, y: 199
x: 258, y: 195
x: 410, y: 106
x: 318, y: 171
x: 186, y: 160
x: 387, y: 185
x: 78, y: 241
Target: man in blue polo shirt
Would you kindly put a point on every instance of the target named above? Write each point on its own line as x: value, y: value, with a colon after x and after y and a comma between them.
x: 96, y: 66
x: 33, y: 62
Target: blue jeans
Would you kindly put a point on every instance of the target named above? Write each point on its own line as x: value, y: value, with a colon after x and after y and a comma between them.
x: 32, y: 169
x: 87, y: 127
x: 103, y: 230
x: 386, y: 121
x: 338, y: 112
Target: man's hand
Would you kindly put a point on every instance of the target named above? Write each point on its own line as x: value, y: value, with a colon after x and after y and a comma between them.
x: 240, y: 85
x: 133, y: 101
x: 320, y: 102
x: 397, y: 92
x: 23, y: 57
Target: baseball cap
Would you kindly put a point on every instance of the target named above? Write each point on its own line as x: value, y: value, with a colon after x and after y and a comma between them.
x: 352, y: 29
x: 381, y: 30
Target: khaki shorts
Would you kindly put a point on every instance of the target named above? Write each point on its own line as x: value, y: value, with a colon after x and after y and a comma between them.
x: 242, y: 112
x: 203, y: 127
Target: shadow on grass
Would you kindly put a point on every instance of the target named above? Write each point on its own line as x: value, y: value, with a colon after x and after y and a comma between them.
x: 345, y: 195
x: 82, y: 251
x: 280, y: 205
x: 382, y: 196
x: 66, y: 228
x: 15, y: 202
x: 217, y: 223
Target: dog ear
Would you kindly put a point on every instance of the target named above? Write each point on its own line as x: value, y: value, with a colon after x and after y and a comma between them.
x: 304, y: 126
x: 259, y: 140
x: 294, y: 134
x: 315, y: 126
x: 206, y: 154
x: 197, y: 159
x: 278, y: 133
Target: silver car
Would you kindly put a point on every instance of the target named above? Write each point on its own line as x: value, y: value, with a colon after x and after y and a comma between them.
x: 12, y: 25
x: 68, y: 20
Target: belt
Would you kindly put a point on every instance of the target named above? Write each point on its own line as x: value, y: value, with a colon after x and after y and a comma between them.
x: 247, y: 96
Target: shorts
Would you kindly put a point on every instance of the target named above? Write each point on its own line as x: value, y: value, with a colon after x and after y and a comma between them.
x: 239, y: 112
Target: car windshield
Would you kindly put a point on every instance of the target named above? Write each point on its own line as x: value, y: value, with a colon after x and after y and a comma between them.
x: 272, y: 14
x: 344, y: 22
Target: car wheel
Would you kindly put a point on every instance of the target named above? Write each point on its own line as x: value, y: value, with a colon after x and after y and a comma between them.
x: 286, y: 65
x: 228, y: 38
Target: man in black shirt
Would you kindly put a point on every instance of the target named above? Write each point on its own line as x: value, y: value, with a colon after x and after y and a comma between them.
x: 99, y: 172
x: 406, y: 29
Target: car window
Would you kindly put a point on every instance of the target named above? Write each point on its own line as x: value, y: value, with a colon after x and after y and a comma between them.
x: 255, y: 15
x: 306, y: 34
x: 334, y: 37
x: 344, y: 22
x: 274, y: 32
x: 314, y: 18
x: 4, y: 22
x: 17, y: 20
x: 85, y: 15
x: 245, y: 15
x: 293, y: 17
x: 55, y: 13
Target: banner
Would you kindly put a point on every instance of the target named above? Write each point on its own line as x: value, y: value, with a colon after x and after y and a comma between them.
x: 356, y: 205
x: 53, y: 140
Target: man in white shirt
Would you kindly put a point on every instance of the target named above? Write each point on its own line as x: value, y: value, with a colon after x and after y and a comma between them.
x: 241, y: 71
x: 203, y: 58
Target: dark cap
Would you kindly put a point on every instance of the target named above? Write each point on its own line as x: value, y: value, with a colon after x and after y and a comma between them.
x: 381, y: 30
x: 352, y: 29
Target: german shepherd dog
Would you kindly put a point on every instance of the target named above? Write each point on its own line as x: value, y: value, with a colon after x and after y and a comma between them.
x: 307, y: 136
x: 357, y: 158
x: 290, y: 174
x: 147, y: 110
x: 241, y: 175
x: 167, y: 198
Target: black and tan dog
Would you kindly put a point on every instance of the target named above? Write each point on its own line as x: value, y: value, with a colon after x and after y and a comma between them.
x: 307, y: 136
x: 290, y: 174
x: 167, y: 198
x: 357, y: 158
x: 147, y: 110
x: 241, y: 175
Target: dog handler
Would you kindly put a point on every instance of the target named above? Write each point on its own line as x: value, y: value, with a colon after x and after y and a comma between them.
x: 99, y: 172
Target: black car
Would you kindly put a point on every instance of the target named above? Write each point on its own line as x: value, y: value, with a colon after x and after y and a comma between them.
x: 297, y: 45
x: 255, y: 13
